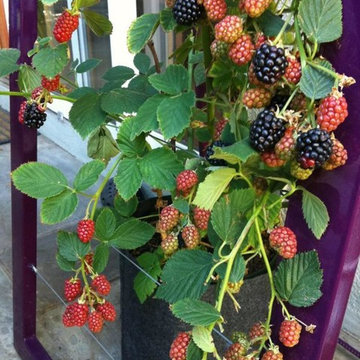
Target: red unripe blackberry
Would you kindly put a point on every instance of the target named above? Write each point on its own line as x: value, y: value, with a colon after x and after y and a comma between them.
x: 72, y: 289
x: 35, y: 94
x: 22, y: 111
x: 255, y: 8
x: 169, y: 218
x: 272, y: 160
x: 285, y: 147
x: 219, y: 49
x: 258, y: 332
x: 50, y: 84
x: 85, y: 230
x: 260, y: 39
x: 191, y: 236
x: 107, y: 310
x: 229, y: 29
x: 170, y: 244
x: 186, y: 180
x: 338, y: 156
x: 283, y: 240
x: 187, y: 12
x: 95, y: 322
x: 241, y: 51
x: 101, y: 284
x: 266, y: 131
x: 236, y: 351
x: 293, y: 71
x: 219, y: 128
x: 270, y: 63
x: 298, y: 172
x: 65, y: 25
x: 256, y: 98
x: 34, y: 116
x: 179, y: 346
x: 272, y: 355
x: 215, y: 9
x: 289, y: 333
x: 332, y: 112
x: 201, y: 218
x: 75, y: 315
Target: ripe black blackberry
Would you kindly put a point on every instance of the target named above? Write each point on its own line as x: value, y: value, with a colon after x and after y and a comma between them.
x: 270, y: 63
x: 313, y: 148
x: 187, y: 12
x: 266, y: 130
x: 33, y: 117
x: 210, y: 151
x: 278, y: 101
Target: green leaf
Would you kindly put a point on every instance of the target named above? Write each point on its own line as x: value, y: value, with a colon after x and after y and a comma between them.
x: 184, y: 275
x: 221, y: 73
x: 237, y: 272
x: 122, y: 100
x: 146, y: 117
x: 126, y: 208
x: 193, y: 352
x: 131, y: 148
x: 203, y: 339
x: 173, y: 81
x: 70, y: 247
x: 159, y: 168
x: 195, y: 312
x: 299, y: 279
x: 143, y: 285
x: 86, y: 3
x: 142, y: 62
x: 140, y: 31
x: 105, y: 224
x: 80, y: 92
x: 315, y: 83
x: 51, y: 61
x: 119, y: 74
x: 321, y: 20
x: 88, y: 65
x: 240, y: 151
x: 167, y: 19
x: 128, y: 179
x: 86, y: 114
x: 39, y: 180
x: 174, y: 114
x: 182, y: 205
x: 101, y: 258
x: 199, y: 74
x: 28, y: 78
x: 211, y: 189
x: 49, y: 2
x: 270, y: 24
x: 59, y: 207
x: 132, y: 234
x: 315, y: 213
x: 8, y: 61
x: 64, y: 264
x: 88, y: 175
x: 99, y: 24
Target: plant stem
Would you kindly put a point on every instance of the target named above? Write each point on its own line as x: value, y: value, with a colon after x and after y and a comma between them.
x: 148, y: 216
x: 22, y: 94
x: 300, y: 44
x: 282, y: 198
x: 289, y: 100
x: 283, y: 29
x: 324, y: 69
x: 154, y: 55
x: 73, y: 84
x: 314, y: 50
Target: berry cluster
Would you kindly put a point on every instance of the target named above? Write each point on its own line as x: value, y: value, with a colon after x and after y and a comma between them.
x: 187, y: 12
x: 65, y: 25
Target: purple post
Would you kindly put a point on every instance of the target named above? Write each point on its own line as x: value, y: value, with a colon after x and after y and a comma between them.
x: 23, y: 32
x: 340, y: 246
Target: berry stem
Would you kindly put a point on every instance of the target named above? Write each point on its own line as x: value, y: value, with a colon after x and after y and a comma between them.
x: 290, y: 99
x: 283, y: 29
x: 148, y: 216
x: 314, y: 50
x: 300, y: 44
x: 154, y: 54
x: 284, y: 308
x: 282, y: 198
x: 23, y: 94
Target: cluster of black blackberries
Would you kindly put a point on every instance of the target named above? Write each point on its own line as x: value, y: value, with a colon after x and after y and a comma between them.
x: 210, y: 151
x: 34, y: 117
x: 187, y: 12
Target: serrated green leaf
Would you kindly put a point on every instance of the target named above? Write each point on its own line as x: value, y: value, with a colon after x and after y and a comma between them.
x: 80, y: 92
x: 119, y: 74
x: 174, y: 114
x: 167, y: 19
x: 199, y: 74
x: 146, y: 117
x: 59, y: 207
x: 28, y: 78
x: 88, y: 65
x: 195, y: 312
x: 315, y: 213
x: 184, y: 275
x: 64, y: 264
x: 129, y: 178
x: 221, y: 73
x: 142, y: 62
x: 99, y: 24
x: 132, y: 234
x: 140, y: 31
x: 105, y: 224
x: 173, y: 81
x: 299, y: 279
x: 86, y: 114
x: 316, y: 84
x: 39, y: 180
x: 88, y: 175
x: 270, y: 24
x: 86, y: 3
x: 211, y: 189
x: 240, y: 151
x: 182, y: 205
x: 237, y: 272
x: 8, y: 61
x: 141, y: 83
x: 193, y: 352
x: 203, y: 339
x: 51, y: 61
x: 321, y: 20
x: 126, y: 208
x: 101, y: 258
x: 70, y: 247
x: 159, y: 168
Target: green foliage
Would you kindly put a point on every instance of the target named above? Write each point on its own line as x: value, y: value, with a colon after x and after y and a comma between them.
x: 49, y: 2
x: 239, y: 151
x: 125, y: 208
x: 87, y: 3
x: 184, y: 275
x: 182, y: 205
x: 222, y: 74
x: 237, y: 272
x: 193, y: 352
x: 199, y: 74
x: 203, y: 339
x: 142, y: 62
x: 70, y: 247
x: 105, y: 225
x: 99, y: 24
x: 299, y: 280
x: 195, y: 312
x: 28, y: 78
x: 270, y: 24
x: 130, y: 148
x: 167, y: 19
x: 101, y: 258
x: 119, y: 74
x: 64, y: 264
x: 87, y: 65
x: 321, y: 20
x: 88, y: 175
